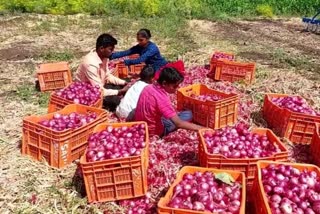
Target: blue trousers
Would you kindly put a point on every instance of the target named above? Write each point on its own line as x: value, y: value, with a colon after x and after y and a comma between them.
x: 169, y: 125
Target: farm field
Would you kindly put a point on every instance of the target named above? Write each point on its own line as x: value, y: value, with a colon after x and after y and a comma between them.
x: 287, y: 62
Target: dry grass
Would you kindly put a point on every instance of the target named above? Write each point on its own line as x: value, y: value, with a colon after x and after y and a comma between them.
x: 33, y: 187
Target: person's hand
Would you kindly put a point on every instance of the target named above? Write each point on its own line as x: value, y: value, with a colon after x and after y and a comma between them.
x: 123, y: 90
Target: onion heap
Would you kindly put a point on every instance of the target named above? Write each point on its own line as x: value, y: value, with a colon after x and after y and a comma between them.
x: 296, y: 104
x: 290, y: 190
x: 116, y: 143
x: 238, y: 142
x: 207, y: 97
x: 74, y: 120
x: 81, y: 93
x: 203, y: 192
x: 222, y: 56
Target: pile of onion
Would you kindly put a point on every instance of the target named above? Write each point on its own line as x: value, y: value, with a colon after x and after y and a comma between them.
x: 238, y: 142
x: 74, y: 120
x: 296, y: 104
x: 203, y: 192
x: 222, y: 56
x: 80, y: 93
x: 207, y: 97
x: 116, y: 143
x: 290, y: 190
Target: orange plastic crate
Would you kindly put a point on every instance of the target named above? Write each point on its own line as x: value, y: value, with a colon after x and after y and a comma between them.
x: 116, y: 179
x: 162, y: 204
x: 315, y: 145
x: 58, y: 148
x: 246, y: 165
x: 53, y: 76
x: 297, y: 127
x: 261, y: 204
x: 232, y: 71
x: 213, y: 60
x: 125, y: 71
x: 212, y: 114
x: 57, y: 103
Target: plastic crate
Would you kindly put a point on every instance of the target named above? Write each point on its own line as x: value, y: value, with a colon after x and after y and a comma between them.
x: 125, y: 71
x: 246, y: 165
x: 296, y: 127
x: 57, y: 103
x: 315, y: 145
x: 261, y: 205
x: 212, y: 114
x: 116, y: 179
x: 58, y: 148
x: 53, y: 76
x: 162, y: 204
x: 232, y: 71
x: 223, y: 56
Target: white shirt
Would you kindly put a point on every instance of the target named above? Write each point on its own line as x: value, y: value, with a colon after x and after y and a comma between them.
x: 130, y: 100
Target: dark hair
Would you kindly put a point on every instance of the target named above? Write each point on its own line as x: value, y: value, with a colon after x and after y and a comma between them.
x: 147, y: 73
x: 105, y: 40
x: 170, y: 75
x: 145, y: 33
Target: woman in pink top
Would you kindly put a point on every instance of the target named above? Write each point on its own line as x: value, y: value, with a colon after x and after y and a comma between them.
x: 155, y: 108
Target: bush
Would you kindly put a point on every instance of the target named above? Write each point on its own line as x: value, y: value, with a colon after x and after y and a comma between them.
x: 265, y: 10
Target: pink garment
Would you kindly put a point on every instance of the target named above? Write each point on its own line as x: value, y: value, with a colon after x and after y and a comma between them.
x: 153, y: 104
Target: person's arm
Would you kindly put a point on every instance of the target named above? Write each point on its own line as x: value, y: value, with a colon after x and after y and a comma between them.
x: 110, y: 78
x: 184, y: 124
x: 94, y: 79
x: 133, y: 50
x: 152, y: 50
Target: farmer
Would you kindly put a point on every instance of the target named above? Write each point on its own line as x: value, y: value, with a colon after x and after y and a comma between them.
x: 148, y: 51
x: 155, y: 108
x: 129, y: 101
x: 94, y: 69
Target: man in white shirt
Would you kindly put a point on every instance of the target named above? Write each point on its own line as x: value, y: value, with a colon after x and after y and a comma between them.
x: 129, y: 101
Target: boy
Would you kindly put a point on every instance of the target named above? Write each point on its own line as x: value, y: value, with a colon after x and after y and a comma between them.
x: 154, y: 106
x: 129, y: 101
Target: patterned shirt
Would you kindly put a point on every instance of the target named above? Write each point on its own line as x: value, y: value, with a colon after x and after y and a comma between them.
x: 150, y: 55
x: 153, y: 104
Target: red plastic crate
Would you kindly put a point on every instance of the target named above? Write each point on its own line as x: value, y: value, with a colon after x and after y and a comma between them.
x: 116, y: 179
x: 212, y: 114
x: 232, y: 71
x: 58, y: 148
x: 53, y: 76
x: 126, y: 71
x: 162, y: 204
x: 57, y: 103
x: 296, y: 127
x: 246, y: 165
x: 261, y: 205
x: 315, y: 145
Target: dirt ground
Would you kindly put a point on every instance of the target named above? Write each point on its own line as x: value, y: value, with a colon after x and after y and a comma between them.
x: 287, y: 62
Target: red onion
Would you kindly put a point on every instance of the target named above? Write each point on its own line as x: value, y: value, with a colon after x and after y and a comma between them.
x: 105, y: 145
x: 297, y: 193
x: 211, y: 195
x: 237, y: 142
x: 73, y: 120
x: 81, y: 93
x: 221, y: 55
x: 296, y: 104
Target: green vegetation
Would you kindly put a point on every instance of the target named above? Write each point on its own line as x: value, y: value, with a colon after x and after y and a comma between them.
x: 53, y: 56
x: 149, y: 8
x: 28, y: 93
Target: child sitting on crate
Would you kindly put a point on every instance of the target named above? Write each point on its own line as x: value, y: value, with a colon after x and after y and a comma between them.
x: 155, y: 108
x: 94, y: 69
x: 129, y: 101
